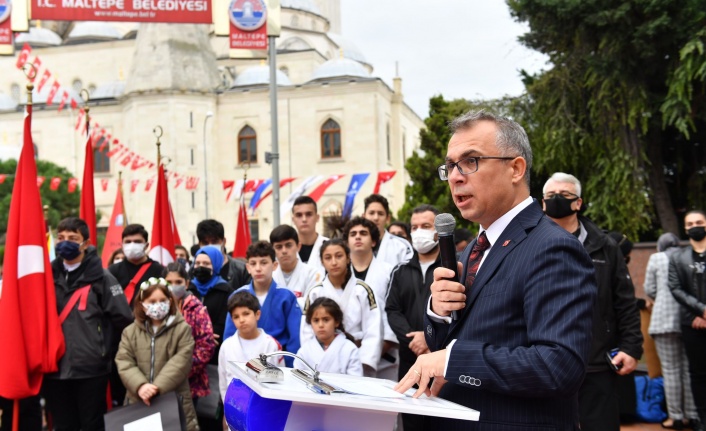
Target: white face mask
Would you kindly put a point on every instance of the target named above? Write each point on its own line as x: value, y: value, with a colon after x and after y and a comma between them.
x: 134, y: 251
x: 423, y: 240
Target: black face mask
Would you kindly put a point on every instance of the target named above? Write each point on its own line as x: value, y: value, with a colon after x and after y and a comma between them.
x: 559, y: 207
x: 697, y: 233
x: 203, y: 274
x: 68, y: 250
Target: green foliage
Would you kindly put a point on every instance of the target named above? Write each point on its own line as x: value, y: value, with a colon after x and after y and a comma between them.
x: 60, y: 203
x: 598, y: 112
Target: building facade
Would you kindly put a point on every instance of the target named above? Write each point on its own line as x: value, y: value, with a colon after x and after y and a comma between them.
x: 334, y: 115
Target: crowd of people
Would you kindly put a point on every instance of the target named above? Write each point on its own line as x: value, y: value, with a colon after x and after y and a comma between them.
x: 534, y: 334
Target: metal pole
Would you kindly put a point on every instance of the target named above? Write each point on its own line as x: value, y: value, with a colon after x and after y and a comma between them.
x: 209, y: 114
x: 275, y: 138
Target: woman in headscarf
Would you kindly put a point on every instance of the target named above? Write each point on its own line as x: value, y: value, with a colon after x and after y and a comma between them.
x: 666, y: 331
x: 211, y: 289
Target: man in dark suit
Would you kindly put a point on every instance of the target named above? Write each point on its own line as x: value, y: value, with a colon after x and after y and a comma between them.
x: 518, y: 351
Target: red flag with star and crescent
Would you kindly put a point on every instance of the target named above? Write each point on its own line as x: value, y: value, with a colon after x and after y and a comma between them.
x: 30, y: 332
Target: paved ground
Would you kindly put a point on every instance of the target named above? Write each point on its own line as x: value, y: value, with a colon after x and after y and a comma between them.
x: 641, y: 427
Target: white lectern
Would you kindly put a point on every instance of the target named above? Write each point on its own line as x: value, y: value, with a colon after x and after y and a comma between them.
x: 290, y: 406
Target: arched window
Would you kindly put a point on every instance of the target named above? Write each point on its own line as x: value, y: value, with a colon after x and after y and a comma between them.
x: 247, y: 145
x: 330, y: 140
x: 101, y: 161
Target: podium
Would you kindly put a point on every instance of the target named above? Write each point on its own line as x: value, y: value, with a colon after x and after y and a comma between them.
x: 291, y: 406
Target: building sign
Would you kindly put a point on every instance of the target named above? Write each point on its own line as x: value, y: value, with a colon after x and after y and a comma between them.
x: 248, y: 29
x: 173, y: 11
x: 5, y: 27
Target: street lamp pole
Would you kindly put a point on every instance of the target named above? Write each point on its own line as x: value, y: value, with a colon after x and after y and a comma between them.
x: 209, y: 114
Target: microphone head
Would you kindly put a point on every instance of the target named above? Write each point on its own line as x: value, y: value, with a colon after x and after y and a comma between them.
x: 445, y: 224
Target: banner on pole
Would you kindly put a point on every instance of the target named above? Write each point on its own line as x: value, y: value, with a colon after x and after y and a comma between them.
x: 6, y: 47
x: 171, y: 11
x: 248, y: 28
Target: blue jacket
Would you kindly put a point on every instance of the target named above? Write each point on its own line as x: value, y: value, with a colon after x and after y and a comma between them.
x: 281, y: 318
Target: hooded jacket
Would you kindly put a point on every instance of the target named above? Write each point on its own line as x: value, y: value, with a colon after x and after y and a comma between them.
x: 162, y: 358
x: 87, y: 331
x: 616, y: 318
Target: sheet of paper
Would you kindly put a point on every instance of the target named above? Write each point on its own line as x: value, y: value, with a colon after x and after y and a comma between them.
x: 360, y: 386
x: 148, y: 423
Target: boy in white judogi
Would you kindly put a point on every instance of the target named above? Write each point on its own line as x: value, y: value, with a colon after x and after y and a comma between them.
x: 305, y: 216
x: 249, y: 340
x: 330, y: 351
x: 362, y: 235
x: 291, y: 272
x: 391, y: 249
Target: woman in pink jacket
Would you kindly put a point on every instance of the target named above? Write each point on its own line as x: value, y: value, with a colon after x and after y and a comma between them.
x: 197, y: 317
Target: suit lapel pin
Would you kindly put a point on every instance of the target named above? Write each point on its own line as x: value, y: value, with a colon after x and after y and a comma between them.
x: 506, y: 243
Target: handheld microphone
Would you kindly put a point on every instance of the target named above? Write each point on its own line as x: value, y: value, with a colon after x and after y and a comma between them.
x: 445, y: 224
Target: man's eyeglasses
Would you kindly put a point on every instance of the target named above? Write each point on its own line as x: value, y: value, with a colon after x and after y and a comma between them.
x: 565, y: 194
x: 465, y: 166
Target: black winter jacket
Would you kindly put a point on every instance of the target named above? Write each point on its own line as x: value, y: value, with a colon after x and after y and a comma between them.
x: 687, y: 281
x: 216, y: 303
x: 616, y: 318
x: 85, y: 332
x: 235, y: 273
x: 407, y: 304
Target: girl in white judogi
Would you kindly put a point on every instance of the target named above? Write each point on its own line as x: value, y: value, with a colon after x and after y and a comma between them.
x: 330, y: 351
x: 362, y: 316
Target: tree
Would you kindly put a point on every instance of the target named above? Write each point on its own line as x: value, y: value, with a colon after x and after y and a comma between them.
x: 60, y: 203
x: 425, y: 186
x: 600, y: 112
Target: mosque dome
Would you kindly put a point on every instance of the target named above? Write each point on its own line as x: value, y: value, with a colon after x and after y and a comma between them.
x: 7, y: 103
x: 348, y: 48
x: 38, y: 37
x: 109, y: 90
x: 304, y: 5
x: 259, y: 75
x: 93, y: 31
x: 340, y: 67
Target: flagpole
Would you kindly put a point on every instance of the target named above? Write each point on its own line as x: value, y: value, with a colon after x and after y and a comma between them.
x: 274, y: 129
x: 120, y: 192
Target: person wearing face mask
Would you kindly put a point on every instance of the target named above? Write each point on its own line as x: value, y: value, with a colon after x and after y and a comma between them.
x: 196, y: 315
x: 616, y: 318
x: 90, y: 303
x: 211, y: 232
x: 156, y: 350
x: 687, y: 282
x: 409, y: 294
x: 131, y: 272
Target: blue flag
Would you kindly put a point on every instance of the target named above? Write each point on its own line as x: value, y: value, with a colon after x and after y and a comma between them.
x: 258, y: 194
x: 353, y: 188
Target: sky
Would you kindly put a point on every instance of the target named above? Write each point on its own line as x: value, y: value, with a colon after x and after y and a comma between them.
x: 457, y: 48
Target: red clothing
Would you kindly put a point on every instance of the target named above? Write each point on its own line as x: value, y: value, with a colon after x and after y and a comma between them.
x: 197, y: 317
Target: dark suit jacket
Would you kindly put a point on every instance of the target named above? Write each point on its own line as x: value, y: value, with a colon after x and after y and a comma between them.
x: 524, y: 337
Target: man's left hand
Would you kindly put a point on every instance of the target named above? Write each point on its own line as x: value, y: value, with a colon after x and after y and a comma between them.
x: 629, y: 363
x: 428, y: 366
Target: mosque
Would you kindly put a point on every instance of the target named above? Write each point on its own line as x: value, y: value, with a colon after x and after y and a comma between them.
x: 334, y: 115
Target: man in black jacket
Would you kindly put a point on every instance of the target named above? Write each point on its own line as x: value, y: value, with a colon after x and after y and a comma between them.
x: 687, y: 281
x: 409, y: 294
x: 211, y: 232
x: 89, y: 302
x: 616, y: 319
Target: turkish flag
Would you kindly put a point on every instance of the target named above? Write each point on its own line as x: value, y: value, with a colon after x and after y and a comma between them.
x: 191, y: 183
x: 2, y: 178
x: 30, y: 333
x: 87, y: 212
x: 149, y: 183
x: 383, y: 177
x: 54, y: 184
x: 162, y: 227
x: 73, y: 182
x: 177, y: 239
x: 319, y: 191
x: 40, y: 181
x: 52, y: 92
x: 118, y: 220
x: 133, y: 185
x: 104, y: 184
x: 242, y: 231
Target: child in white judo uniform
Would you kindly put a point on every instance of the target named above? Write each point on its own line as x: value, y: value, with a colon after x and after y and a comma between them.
x: 331, y: 351
x: 361, y: 313
x: 249, y: 340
